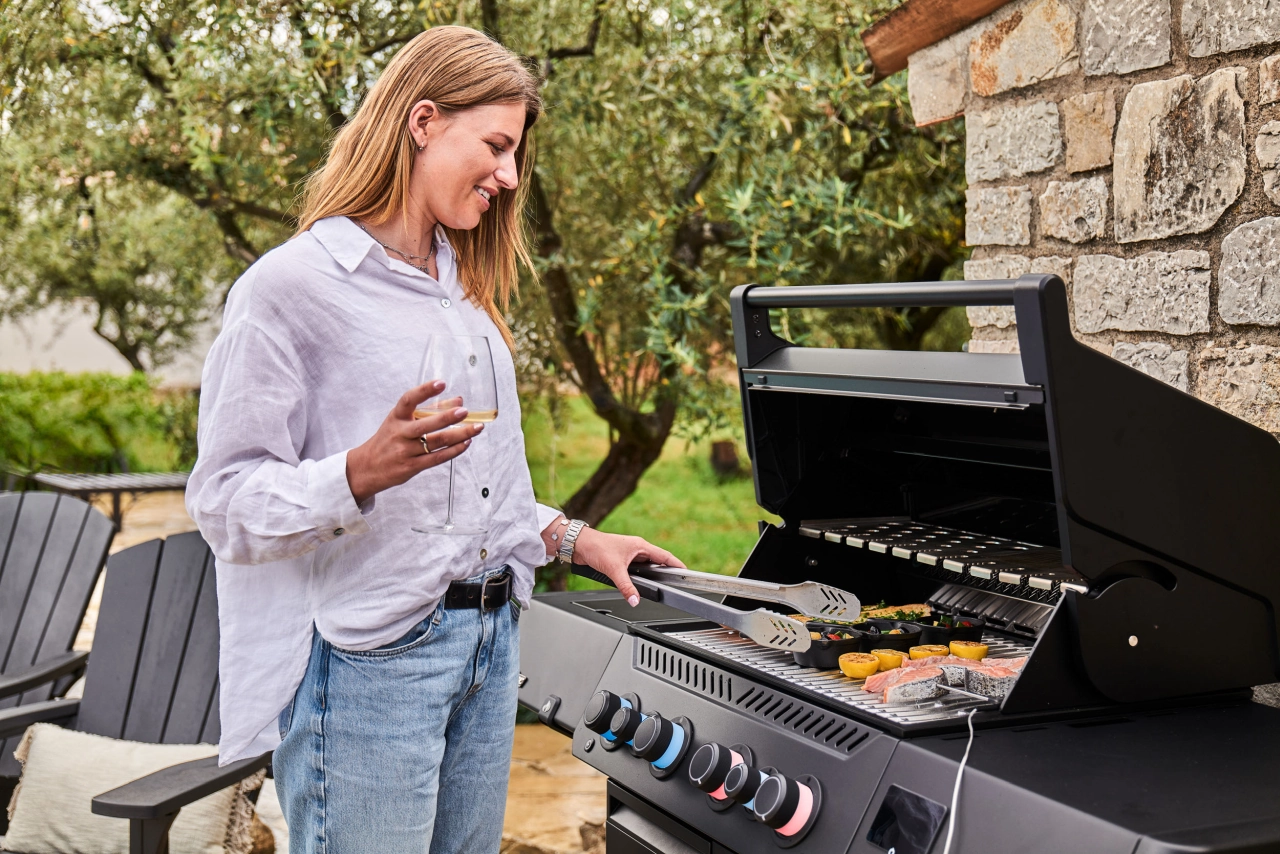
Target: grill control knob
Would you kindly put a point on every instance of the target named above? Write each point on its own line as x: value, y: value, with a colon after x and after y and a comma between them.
x: 659, y: 741
x: 624, y: 724
x: 741, y: 783
x: 600, y: 711
x: 788, y: 806
x: 709, y: 768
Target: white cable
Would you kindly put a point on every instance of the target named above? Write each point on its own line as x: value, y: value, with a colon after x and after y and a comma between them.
x: 955, y: 794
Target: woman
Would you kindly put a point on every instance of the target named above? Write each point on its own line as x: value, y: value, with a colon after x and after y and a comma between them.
x: 378, y: 663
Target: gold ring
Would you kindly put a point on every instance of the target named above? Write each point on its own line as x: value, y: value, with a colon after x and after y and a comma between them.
x: 425, y: 449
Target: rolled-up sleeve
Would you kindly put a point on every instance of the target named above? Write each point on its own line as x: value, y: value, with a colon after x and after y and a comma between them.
x: 253, y: 496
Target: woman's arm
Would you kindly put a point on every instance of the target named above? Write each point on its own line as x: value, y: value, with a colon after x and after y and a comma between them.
x: 251, y: 494
x: 610, y: 554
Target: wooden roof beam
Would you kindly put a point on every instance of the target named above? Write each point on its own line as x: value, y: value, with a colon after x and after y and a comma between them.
x: 917, y: 24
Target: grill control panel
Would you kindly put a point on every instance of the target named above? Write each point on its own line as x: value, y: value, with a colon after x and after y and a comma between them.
x: 751, y: 782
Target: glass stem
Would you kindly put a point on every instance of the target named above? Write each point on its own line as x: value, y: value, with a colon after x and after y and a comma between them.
x: 448, y: 519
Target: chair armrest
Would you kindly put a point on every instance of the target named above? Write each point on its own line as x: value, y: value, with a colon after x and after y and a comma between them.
x: 170, y: 789
x: 39, y: 674
x: 16, y: 720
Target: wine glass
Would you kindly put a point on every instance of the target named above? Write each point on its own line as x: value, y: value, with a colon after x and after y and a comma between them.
x: 465, y: 363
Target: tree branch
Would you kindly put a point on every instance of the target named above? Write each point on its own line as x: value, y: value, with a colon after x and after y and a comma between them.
x: 489, y: 16
x: 593, y: 34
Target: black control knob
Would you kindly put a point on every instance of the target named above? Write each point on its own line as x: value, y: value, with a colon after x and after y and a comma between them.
x: 624, y: 724
x: 653, y: 737
x: 741, y: 783
x: 709, y: 767
x: 784, y: 804
x: 600, y: 711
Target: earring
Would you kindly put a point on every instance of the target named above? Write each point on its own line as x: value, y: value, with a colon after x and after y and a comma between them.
x: 420, y: 147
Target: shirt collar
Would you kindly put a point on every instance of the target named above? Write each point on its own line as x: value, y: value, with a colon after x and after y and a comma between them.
x: 348, y: 243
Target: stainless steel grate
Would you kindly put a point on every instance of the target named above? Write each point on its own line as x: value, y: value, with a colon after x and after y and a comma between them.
x: 834, y: 685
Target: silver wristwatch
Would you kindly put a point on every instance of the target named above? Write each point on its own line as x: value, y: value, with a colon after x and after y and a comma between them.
x: 565, y: 552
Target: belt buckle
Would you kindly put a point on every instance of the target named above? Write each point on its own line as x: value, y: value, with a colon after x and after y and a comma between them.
x: 502, y: 579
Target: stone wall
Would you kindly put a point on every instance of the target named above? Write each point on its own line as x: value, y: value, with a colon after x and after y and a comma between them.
x: 1133, y: 148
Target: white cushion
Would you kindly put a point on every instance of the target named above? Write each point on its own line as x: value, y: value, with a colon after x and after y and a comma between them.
x: 64, y: 770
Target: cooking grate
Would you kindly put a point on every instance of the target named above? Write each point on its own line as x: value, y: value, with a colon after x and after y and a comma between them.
x: 834, y: 685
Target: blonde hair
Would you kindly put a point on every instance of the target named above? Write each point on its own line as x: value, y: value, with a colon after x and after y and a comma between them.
x: 367, y: 172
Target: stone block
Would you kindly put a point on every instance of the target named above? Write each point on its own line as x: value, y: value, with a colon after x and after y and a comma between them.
x: 1249, y: 276
x: 1009, y: 267
x: 999, y: 216
x: 1220, y: 26
x: 1158, y: 360
x: 1243, y: 380
x: 993, y: 345
x: 1180, y: 156
x: 1075, y: 211
x: 1089, y: 121
x: 1119, y: 36
x: 1155, y: 292
x: 1269, y: 80
x: 1267, y: 147
x: 937, y: 80
x: 1022, y: 44
x: 1009, y: 142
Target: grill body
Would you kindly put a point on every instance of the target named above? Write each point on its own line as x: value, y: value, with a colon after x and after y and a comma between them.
x: 1097, y: 520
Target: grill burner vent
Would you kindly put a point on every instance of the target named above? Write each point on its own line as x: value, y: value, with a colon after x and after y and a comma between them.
x: 686, y: 671
x: 823, y: 727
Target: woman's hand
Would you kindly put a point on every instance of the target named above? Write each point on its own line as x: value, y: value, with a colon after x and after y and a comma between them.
x: 613, y: 553
x: 395, y: 453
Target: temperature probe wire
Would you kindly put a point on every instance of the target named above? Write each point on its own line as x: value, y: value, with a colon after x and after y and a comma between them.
x: 955, y: 794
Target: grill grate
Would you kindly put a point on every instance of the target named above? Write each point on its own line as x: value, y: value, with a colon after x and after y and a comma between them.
x: 832, y: 684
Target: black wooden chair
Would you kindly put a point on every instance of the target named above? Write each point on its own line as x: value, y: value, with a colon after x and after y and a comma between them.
x: 51, y: 551
x: 153, y: 677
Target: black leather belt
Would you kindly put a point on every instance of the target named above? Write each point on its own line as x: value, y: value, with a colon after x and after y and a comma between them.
x: 490, y: 594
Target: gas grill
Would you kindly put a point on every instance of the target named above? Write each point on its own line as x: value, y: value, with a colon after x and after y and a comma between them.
x: 1109, y: 531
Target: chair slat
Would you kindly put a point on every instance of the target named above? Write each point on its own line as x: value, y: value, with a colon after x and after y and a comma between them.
x: 198, y: 674
x: 173, y: 607
x: 117, y: 643
x: 82, y: 575
x: 212, y: 731
x: 10, y: 502
x: 61, y: 544
x: 26, y: 545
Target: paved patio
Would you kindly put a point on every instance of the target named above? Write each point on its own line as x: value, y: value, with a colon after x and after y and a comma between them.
x: 555, y: 804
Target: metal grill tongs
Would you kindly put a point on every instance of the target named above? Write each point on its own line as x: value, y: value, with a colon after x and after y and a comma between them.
x: 764, y: 627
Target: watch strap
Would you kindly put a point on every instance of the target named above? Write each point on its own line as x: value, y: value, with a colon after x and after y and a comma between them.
x: 570, y: 538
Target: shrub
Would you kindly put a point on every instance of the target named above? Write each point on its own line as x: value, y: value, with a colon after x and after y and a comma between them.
x: 92, y: 422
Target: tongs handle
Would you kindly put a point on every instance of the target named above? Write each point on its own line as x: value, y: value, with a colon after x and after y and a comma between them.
x: 764, y: 627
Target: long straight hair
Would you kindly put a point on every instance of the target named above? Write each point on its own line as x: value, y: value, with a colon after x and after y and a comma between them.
x: 367, y: 172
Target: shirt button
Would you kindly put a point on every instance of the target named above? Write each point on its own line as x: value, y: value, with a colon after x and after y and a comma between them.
x: 445, y: 303
x: 338, y: 532
x: 484, y: 493
x: 484, y: 553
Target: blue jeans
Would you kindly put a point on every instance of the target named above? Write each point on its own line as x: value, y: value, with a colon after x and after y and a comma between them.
x: 404, y: 749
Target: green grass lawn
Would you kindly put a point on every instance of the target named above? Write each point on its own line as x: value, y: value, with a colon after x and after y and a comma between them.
x: 681, y: 504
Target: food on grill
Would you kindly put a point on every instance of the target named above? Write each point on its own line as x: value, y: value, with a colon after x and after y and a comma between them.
x: 993, y: 680
x: 954, y: 668
x: 919, y: 683
x: 827, y: 643
x: 969, y: 649
x: 858, y: 665
x: 950, y: 628
x: 928, y: 651
x: 906, y: 613
x: 890, y: 634
x: 889, y: 658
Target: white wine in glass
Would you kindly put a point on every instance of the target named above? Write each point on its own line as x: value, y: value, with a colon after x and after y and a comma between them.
x: 465, y: 363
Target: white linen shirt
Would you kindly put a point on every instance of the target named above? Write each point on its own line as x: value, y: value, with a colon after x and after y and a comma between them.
x: 320, y: 337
